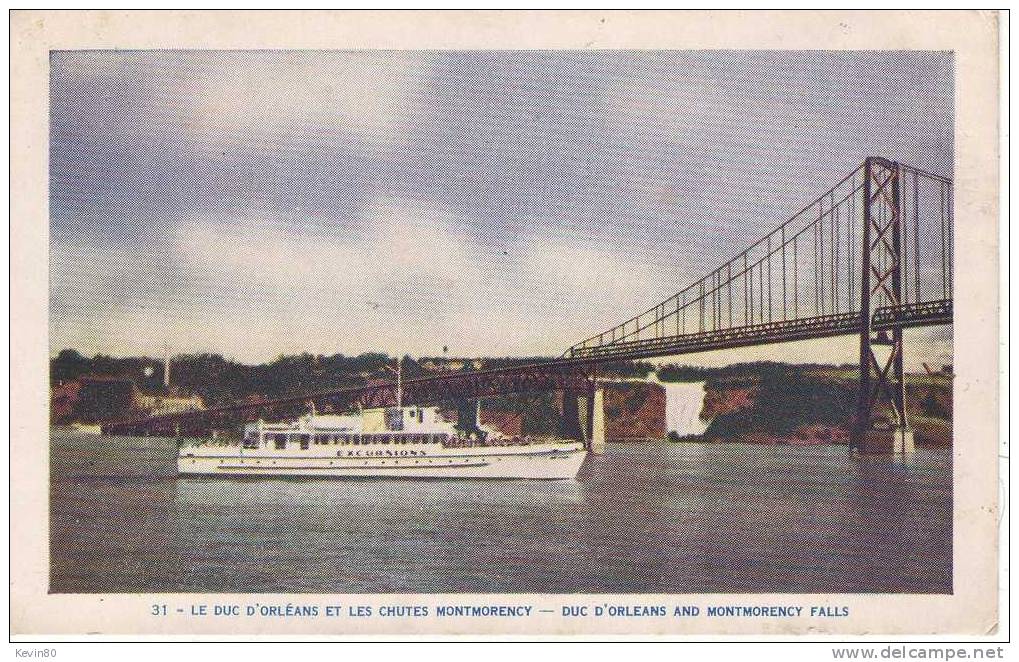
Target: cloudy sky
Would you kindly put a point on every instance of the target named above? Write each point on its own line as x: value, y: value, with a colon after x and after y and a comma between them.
x: 498, y: 203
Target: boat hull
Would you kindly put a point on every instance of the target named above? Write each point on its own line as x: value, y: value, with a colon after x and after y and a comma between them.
x: 545, y: 463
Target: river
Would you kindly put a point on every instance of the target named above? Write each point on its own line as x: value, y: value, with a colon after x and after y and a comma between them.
x: 651, y: 517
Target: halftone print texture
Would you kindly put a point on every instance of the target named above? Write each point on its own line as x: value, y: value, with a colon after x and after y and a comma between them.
x: 706, y: 236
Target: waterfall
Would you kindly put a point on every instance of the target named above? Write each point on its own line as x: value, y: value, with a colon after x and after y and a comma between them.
x: 683, y: 404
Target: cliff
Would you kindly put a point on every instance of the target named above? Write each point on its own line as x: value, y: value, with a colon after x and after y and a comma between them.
x: 795, y: 405
x: 634, y: 411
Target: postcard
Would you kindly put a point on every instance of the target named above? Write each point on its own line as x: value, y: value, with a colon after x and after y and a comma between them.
x: 504, y: 323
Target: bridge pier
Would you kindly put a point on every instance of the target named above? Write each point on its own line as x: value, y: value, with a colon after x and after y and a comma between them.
x: 597, y: 418
x: 569, y: 415
x: 883, y: 268
x: 468, y: 416
x: 898, y: 440
x: 583, y: 418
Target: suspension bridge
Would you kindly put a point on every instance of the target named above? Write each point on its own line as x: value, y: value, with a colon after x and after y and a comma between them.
x: 870, y: 257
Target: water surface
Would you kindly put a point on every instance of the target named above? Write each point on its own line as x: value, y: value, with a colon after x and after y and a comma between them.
x: 655, y: 517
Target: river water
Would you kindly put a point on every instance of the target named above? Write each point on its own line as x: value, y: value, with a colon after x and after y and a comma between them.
x: 653, y: 517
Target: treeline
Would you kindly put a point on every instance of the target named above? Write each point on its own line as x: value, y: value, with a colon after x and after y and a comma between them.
x: 220, y: 380
x: 745, y: 374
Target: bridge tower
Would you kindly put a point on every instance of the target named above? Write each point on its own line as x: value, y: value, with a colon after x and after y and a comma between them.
x: 882, y: 382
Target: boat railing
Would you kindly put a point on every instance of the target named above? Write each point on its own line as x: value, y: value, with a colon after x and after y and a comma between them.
x: 466, y: 442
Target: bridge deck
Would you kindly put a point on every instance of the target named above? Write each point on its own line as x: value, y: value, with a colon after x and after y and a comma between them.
x: 913, y: 315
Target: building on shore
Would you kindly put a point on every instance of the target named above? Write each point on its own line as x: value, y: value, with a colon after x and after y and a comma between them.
x: 158, y: 405
x: 96, y: 398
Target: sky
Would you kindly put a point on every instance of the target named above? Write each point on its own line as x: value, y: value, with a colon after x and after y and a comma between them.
x: 494, y: 203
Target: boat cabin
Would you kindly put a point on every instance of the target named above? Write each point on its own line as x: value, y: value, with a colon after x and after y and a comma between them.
x: 389, y: 426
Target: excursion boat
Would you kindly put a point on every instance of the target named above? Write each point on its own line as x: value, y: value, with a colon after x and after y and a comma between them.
x: 395, y: 442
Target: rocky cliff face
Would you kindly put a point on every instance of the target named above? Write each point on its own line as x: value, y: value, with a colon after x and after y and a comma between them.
x: 725, y: 400
x: 634, y: 411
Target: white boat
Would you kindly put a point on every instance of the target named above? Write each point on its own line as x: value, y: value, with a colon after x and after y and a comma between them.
x: 396, y: 442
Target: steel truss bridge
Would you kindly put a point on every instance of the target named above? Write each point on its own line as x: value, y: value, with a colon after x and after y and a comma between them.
x: 870, y: 257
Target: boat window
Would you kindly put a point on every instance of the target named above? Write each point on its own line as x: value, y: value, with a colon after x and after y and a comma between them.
x: 305, y: 441
x: 280, y: 441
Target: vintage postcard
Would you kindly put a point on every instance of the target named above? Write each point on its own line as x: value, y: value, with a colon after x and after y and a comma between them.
x: 504, y: 323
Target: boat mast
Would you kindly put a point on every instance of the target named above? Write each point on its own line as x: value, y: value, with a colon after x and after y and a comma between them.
x: 166, y: 367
